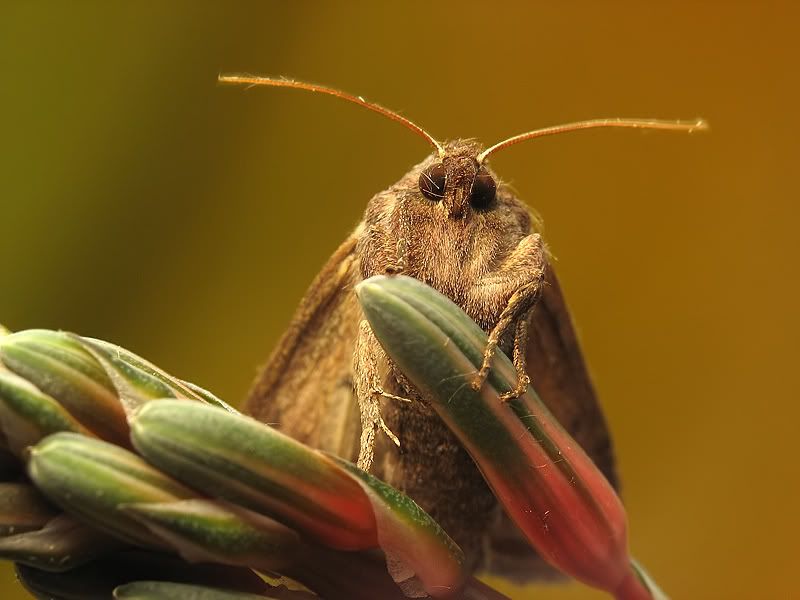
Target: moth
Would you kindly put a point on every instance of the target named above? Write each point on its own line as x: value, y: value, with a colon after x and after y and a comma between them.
x: 453, y: 224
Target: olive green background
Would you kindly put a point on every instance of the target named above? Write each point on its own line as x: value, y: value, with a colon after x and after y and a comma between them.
x: 142, y: 203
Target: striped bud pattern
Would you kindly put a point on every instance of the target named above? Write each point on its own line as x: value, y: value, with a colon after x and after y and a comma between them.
x: 546, y: 483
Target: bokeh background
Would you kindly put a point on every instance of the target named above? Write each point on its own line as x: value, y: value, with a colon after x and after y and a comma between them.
x: 142, y: 203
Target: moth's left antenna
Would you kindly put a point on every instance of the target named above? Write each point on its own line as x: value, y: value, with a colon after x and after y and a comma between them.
x: 311, y: 87
x: 686, y: 126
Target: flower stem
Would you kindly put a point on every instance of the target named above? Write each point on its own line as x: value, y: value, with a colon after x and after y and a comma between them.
x: 633, y: 588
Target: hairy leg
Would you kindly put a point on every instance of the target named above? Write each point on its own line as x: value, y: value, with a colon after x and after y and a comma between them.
x: 367, y: 384
x: 520, y: 352
x: 511, y: 292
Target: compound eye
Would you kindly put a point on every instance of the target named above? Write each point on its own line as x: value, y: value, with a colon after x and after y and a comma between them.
x: 483, y: 190
x: 432, y: 181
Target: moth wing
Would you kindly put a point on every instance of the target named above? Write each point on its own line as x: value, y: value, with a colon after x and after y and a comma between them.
x: 560, y: 376
x: 305, y: 389
x: 558, y: 373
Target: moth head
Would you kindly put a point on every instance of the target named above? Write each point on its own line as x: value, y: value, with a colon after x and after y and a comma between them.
x: 458, y: 181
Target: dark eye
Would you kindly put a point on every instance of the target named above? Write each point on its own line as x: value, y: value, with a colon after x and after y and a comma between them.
x: 483, y: 190
x: 431, y: 182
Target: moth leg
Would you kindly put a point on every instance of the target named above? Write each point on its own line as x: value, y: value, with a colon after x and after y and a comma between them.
x: 380, y: 391
x: 367, y: 383
x: 519, y: 280
x: 513, y: 315
x: 520, y: 352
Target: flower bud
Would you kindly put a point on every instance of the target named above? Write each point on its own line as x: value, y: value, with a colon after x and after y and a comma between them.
x: 544, y: 480
x: 27, y: 415
x: 92, y: 479
x: 239, y: 459
x: 58, y: 364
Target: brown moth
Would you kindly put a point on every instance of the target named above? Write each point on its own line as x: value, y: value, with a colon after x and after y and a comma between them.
x: 451, y: 223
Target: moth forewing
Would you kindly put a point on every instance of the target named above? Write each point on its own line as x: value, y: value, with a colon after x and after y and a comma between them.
x: 306, y: 387
x: 557, y: 368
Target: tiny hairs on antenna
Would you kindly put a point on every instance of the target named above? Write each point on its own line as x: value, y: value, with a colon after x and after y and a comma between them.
x: 311, y: 87
x: 687, y: 126
x: 664, y: 125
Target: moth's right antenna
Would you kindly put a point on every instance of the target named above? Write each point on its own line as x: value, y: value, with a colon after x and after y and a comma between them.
x: 311, y: 87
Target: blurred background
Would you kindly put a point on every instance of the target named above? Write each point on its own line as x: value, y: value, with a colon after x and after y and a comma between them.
x: 142, y: 203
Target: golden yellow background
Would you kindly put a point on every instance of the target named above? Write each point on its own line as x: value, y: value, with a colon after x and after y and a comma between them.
x: 142, y: 203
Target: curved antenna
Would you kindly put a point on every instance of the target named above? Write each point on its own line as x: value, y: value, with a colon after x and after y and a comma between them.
x: 687, y: 126
x: 311, y: 87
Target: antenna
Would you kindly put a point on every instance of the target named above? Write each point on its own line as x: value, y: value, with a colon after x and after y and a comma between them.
x: 687, y: 126
x: 252, y: 80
